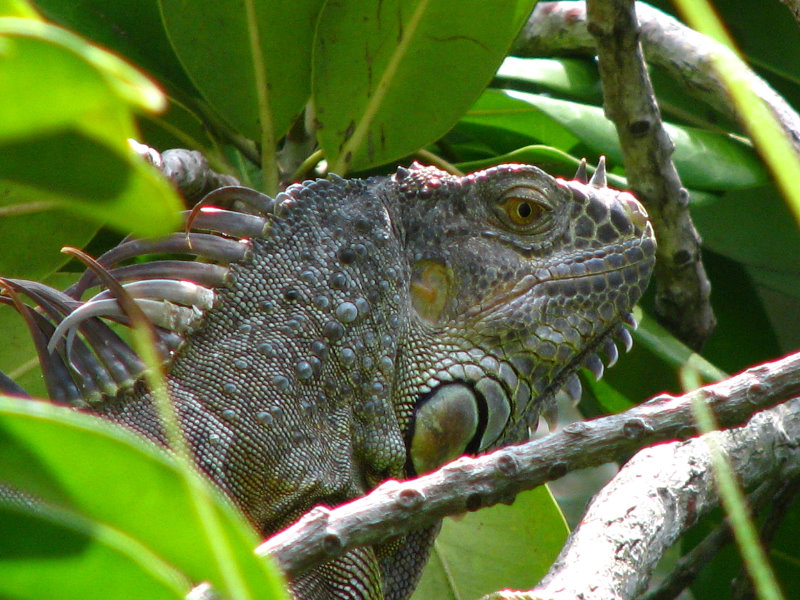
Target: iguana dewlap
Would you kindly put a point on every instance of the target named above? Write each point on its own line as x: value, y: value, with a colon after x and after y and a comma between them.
x: 351, y: 331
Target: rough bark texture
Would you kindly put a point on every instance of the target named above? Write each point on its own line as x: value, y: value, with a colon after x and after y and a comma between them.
x: 657, y: 496
x: 682, y: 287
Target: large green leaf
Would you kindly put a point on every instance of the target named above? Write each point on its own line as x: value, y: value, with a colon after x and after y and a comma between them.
x: 495, y: 548
x: 213, y: 40
x: 391, y: 77
x: 114, y: 481
x: 65, y: 116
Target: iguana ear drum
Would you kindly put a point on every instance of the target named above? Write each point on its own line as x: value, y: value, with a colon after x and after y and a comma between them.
x: 431, y: 288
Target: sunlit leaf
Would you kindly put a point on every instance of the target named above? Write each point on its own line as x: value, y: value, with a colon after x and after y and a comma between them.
x: 65, y: 116
x: 112, y: 479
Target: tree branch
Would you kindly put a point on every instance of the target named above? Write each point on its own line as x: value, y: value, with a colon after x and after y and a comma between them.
x: 188, y: 170
x: 657, y: 496
x: 395, y: 508
x: 682, y: 287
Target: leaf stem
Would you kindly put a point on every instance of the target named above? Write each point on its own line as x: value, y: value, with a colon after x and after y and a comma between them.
x: 269, y: 161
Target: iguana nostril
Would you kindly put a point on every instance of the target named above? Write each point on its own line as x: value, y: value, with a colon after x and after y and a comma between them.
x: 635, y: 210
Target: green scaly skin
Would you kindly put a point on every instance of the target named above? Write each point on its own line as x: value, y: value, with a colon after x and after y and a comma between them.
x: 378, y: 328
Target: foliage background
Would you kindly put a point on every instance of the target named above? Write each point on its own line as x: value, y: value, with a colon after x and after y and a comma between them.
x: 234, y: 76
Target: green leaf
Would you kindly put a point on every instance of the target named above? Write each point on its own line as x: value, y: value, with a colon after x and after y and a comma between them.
x: 565, y: 76
x: 495, y: 548
x: 705, y: 160
x: 608, y: 397
x: 17, y: 8
x: 65, y: 116
x: 213, y: 42
x: 754, y: 228
x: 53, y: 229
x: 56, y: 554
x: 550, y: 159
x: 114, y: 479
x: 669, y: 348
x: 391, y: 77
x: 505, y: 124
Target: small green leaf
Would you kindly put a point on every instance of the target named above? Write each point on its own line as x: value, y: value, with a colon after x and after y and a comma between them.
x: 495, y: 548
x: 65, y: 458
x: 393, y: 76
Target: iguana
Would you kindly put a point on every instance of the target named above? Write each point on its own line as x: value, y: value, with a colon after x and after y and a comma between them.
x: 351, y: 331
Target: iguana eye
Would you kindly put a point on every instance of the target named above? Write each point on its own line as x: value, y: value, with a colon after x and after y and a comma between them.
x: 520, y: 210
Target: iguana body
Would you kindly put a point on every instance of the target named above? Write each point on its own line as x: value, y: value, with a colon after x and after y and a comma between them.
x: 364, y: 330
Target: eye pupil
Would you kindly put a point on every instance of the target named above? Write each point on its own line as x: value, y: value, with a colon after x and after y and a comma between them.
x: 521, y: 211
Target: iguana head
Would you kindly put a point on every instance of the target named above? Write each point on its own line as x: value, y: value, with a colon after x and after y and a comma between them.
x: 518, y: 278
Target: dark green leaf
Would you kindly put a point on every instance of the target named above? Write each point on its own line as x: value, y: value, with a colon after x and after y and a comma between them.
x: 132, y: 29
x: 54, y: 229
x: 213, y: 42
x: 753, y: 227
x: 670, y: 349
x: 391, y: 77
x: 495, y: 548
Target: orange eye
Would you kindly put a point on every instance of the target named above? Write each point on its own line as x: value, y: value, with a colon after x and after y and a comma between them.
x: 522, y: 211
